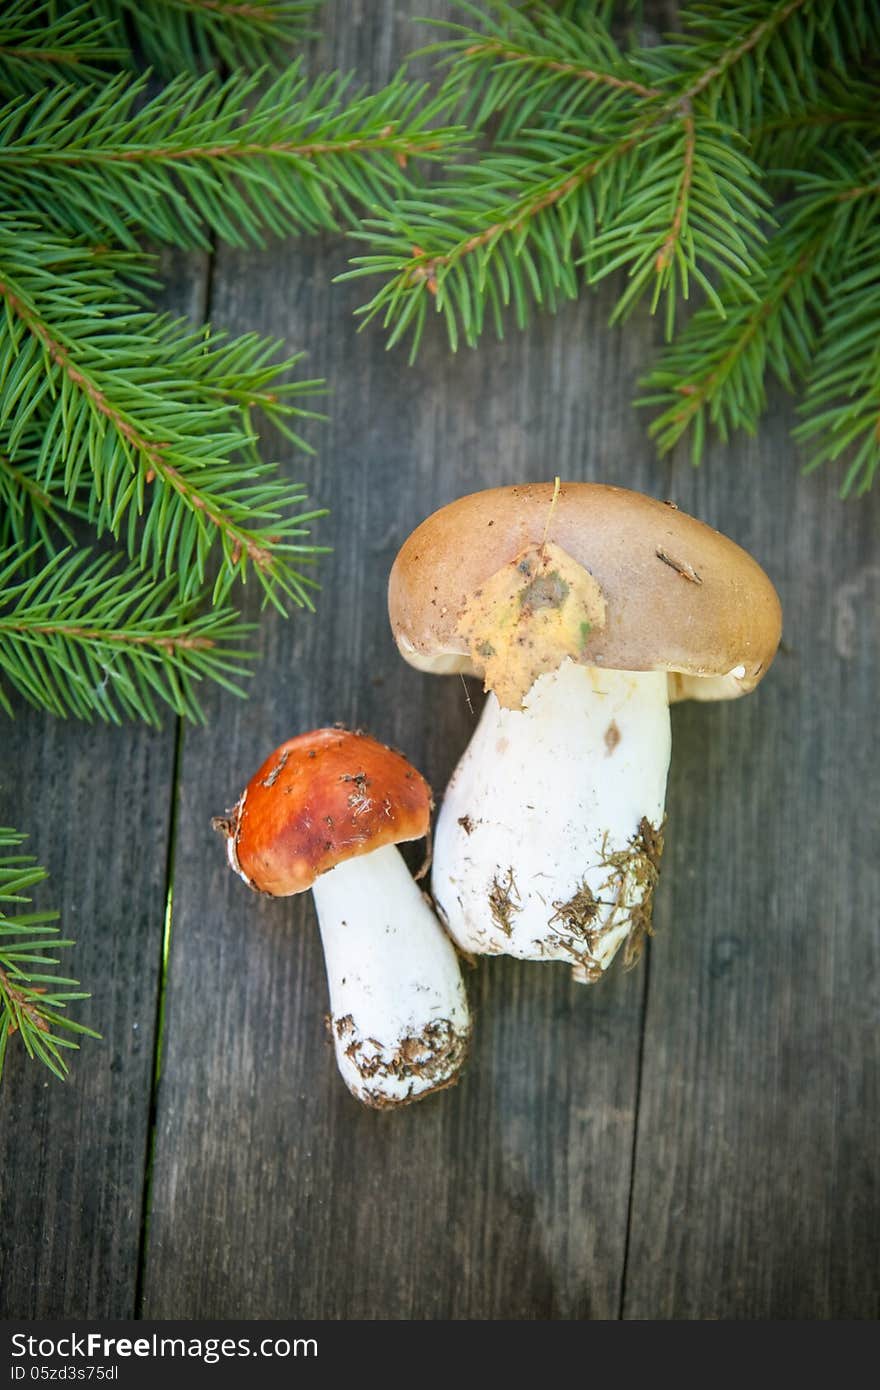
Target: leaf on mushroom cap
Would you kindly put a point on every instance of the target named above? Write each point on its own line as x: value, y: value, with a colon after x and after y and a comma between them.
x: 319, y: 799
x: 626, y: 582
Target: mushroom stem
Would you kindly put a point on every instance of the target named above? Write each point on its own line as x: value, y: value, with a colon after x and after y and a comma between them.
x: 549, y: 838
x: 399, y: 1018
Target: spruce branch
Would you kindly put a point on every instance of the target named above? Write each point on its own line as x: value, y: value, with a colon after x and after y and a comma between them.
x: 33, y: 511
x: 530, y: 64
x: 89, y: 638
x: 740, y: 61
x: 717, y: 37
x: 841, y: 407
x: 692, y: 211
x: 716, y: 373
x: 200, y: 34
x: 603, y: 168
x: 674, y: 202
x: 755, y: 61
x: 207, y: 157
x: 845, y: 108
x: 153, y: 414
x: 673, y: 163
x: 58, y: 41
x: 523, y: 64
x: 33, y: 1003
x: 39, y: 46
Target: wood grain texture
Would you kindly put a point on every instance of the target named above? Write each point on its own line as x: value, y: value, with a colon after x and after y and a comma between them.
x: 274, y: 1194
x: 95, y: 802
x: 755, y: 1190
x: 694, y: 1139
x: 756, y: 1184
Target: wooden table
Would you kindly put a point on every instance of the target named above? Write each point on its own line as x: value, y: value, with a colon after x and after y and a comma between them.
x: 698, y: 1138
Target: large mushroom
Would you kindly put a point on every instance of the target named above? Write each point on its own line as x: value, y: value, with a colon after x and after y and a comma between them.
x: 326, y: 811
x: 586, y: 609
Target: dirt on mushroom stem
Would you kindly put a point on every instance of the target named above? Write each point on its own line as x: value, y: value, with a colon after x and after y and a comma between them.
x: 564, y: 857
x: 400, y: 1014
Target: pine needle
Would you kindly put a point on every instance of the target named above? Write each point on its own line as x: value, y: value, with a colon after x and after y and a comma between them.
x: 152, y: 415
x: 234, y: 159
x: 88, y: 637
x: 33, y: 1004
x: 730, y: 173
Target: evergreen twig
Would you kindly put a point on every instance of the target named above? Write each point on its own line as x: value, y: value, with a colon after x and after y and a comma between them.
x: 34, y: 511
x: 208, y: 157
x: 40, y: 46
x: 672, y: 162
x: 199, y: 34
x: 153, y: 413
x: 88, y: 637
x: 715, y: 372
x: 33, y: 1003
x: 136, y: 424
x: 841, y: 408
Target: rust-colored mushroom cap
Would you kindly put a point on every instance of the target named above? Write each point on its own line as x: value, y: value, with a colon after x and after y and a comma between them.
x: 654, y: 589
x: 319, y: 799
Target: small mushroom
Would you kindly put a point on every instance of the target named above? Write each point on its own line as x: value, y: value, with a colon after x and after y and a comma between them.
x: 325, y: 811
x: 586, y: 609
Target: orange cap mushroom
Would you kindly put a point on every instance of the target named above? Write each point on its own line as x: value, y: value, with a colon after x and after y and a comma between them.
x: 319, y: 799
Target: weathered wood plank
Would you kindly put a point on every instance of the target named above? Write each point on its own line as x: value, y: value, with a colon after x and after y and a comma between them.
x: 756, y: 1186
x: 96, y: 804
x: 273, y: 1193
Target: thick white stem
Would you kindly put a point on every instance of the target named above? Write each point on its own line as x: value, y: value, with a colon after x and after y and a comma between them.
x: 549, y: 835
x: 399, y: 1012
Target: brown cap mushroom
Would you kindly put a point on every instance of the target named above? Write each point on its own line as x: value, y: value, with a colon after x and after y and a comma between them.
x: 630, y: 584
x: 325, y: 811
x: 585, y: 609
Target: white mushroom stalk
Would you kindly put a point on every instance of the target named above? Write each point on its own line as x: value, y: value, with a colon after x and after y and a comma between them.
x: 399, y: 1020
x: 549, y: 837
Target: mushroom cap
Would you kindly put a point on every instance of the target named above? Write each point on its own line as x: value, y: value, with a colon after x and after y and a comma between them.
x: 319, y: 799
x: 678, y: 596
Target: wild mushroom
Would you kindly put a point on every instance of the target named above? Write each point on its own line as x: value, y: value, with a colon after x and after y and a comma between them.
x: 325, y: 811
x: 585, y: 609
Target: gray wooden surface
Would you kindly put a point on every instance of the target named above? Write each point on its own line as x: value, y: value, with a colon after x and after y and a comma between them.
x: 698, y: 1138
